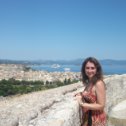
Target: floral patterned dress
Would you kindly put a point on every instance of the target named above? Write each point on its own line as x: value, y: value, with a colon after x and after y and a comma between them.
x: 92, y: 117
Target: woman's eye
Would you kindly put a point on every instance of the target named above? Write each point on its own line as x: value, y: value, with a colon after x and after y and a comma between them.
x: 87, y: 67
x: 92, y: 68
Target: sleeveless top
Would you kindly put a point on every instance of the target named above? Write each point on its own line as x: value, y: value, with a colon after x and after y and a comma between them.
x: 92, y: 117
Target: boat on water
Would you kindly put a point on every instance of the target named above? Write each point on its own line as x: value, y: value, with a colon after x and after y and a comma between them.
x: 55, y: 66
x: 67, y: 69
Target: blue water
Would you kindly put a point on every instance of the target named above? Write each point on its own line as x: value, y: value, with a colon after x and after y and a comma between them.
x: 107, y: 69
x: 114, y: 69
x: 73, y: 68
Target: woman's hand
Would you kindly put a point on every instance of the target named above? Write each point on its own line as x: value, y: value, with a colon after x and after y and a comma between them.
x: 79, y: 98
x: 81, y: 102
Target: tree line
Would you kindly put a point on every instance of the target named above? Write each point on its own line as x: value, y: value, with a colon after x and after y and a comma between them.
x: 13, y: 87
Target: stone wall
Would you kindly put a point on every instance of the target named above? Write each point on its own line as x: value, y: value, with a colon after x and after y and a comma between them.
x: 54, y: 107
x: 57, y: 107
x: 116, y: 95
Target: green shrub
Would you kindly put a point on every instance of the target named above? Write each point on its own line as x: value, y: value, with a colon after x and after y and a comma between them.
x: 13, y: 87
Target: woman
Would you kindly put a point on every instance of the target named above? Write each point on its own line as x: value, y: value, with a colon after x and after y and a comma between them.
x: 92, y: 99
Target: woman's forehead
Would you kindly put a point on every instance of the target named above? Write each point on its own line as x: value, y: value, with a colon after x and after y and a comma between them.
x: 90, y: 63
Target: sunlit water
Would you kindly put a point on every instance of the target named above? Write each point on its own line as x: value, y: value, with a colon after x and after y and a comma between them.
x: 107, y: 69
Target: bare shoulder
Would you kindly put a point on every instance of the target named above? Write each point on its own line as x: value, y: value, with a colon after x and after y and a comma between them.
x: 100, y: 84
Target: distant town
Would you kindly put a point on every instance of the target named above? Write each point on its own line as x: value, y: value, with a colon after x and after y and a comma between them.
x: 22, y: 72
x: 19, y: 70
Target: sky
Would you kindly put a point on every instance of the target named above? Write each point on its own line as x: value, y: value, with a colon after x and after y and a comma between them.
x: 62, y: 29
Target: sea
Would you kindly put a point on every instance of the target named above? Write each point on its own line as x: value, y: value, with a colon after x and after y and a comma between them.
x: 107, y: 69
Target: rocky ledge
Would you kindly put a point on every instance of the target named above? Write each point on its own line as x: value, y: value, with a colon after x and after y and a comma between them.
x: 57, y: 107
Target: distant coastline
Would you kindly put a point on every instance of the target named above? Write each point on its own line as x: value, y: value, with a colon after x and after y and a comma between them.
x: 62, y: 62
x: 110, y: 66
x: 107, y: 69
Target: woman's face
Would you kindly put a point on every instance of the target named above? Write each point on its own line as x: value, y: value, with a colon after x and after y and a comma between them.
x: 90, y: 69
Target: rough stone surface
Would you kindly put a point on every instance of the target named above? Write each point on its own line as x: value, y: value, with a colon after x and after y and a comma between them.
x: 44, y: 108
x: 116, y: 96
x: 119, y: 111
x: 117, y: 115
x: 57, y: 107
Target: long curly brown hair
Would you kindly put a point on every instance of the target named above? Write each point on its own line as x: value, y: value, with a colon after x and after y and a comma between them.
x: 98, y: 75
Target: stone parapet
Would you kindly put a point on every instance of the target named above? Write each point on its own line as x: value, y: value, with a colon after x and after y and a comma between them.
x: 57, y: 107
x: 54, y: 107
x: 116, y: 96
